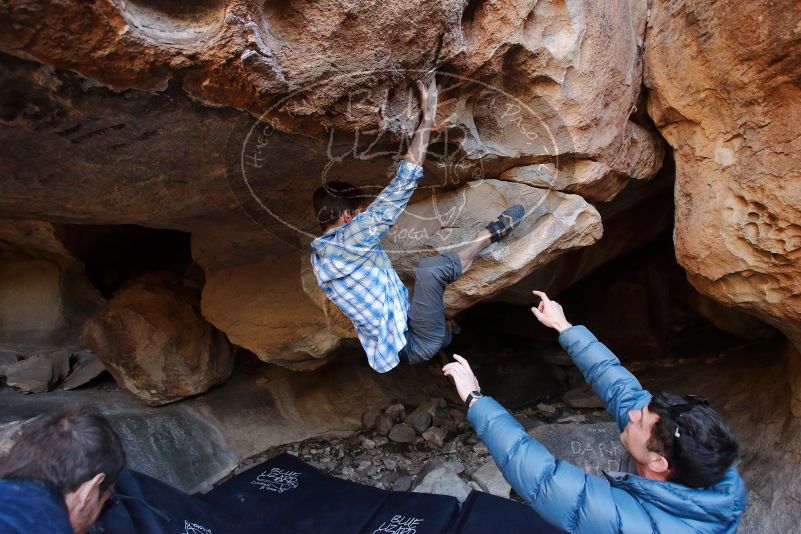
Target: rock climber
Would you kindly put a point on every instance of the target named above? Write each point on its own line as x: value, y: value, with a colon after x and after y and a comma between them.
x: 59, y: 473
x: 678, y: 472
x: 357, y: 275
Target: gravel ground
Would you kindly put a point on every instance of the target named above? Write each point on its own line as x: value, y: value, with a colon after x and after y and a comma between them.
x: 398, y: 448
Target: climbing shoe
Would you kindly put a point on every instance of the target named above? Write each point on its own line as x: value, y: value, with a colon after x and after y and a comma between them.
x: 506, y: 222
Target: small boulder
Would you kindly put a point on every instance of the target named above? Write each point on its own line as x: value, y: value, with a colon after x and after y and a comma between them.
x: 443, y: 419
x: 474, y: 485
x: 156, y: 344
x: 86, y: 368
x: 435, y: 436
x: 443, y: 481
x: 31, y: 375
x: 449, y: 448
x: 548, y: 410
x: 7, y: 357
x: 402, y: 483
x: 390, y: 464
x: 419, y: 419
x: 395, y: 411
x: 384, y: 425
x: 454, y: 465
x: 370, y: 418
x: 491, y: 480
x: 480, y: 448
x: 402, y: 433
x: 458, y: 415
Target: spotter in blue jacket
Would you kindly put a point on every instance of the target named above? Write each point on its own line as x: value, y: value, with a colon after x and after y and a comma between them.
x: 568, y: 498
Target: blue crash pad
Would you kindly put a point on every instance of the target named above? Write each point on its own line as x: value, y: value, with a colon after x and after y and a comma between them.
x: 285, y: 495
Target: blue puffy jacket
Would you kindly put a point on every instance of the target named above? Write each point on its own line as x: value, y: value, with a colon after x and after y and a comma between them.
x: 32, y: 508
x: 575, y: 501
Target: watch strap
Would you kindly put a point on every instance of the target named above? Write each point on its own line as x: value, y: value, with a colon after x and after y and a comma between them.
x: 470, y: 397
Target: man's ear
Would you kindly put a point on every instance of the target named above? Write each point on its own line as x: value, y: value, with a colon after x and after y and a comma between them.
x: 658, y: 463
x: 89, y: 491
x: 84, y: 504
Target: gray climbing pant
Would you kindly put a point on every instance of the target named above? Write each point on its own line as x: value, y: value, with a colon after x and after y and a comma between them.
x: 426, y: 330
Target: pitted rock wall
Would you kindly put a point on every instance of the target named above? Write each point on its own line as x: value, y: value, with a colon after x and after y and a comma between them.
x: 725, y: 93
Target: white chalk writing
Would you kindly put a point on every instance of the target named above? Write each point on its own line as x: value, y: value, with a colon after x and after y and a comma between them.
x: 399, y: 524
x: 194, y: 528
x: 278, y: 480
x: 595, y: 457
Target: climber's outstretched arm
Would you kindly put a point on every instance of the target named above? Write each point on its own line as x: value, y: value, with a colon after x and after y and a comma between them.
x: 367, y: 228
x: 428, y: 103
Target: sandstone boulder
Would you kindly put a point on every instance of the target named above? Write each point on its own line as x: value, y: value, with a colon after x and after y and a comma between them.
x: 44, y: 293
x: 273, y: 317
x: 312, y: 68
x: 724, y: 93
x: 155, y: 343
x: 151, y: 95
x: 554, y: 222
x: 30, y: 299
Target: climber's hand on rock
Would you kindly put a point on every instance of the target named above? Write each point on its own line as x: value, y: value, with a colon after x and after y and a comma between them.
x: 428, y: 99
x: 550, y: 313
x: 428, y: 103
x: 462, y: 376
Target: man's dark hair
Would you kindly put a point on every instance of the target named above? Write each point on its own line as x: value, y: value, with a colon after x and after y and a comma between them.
x: 333, y: 198
x: 697, y: 443
x: 66, y: 448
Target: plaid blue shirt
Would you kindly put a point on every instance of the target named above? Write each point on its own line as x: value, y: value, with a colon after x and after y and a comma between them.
x: 357, y: 275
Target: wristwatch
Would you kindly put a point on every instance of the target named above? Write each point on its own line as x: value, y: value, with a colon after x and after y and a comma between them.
x: 473, y: 395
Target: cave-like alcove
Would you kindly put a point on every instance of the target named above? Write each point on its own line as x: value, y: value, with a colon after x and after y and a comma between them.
x: 114, y: 254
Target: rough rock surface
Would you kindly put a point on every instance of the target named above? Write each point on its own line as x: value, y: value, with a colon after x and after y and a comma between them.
x: 193, y: 443
x: 316, y: 66
x: 757, y: 391
x: 272, y: 316
x: 442, y: 480
x: 593, y: 447
x: 725, y: 93
x: 554, y: 222
x: 32, y: 375
x: 751, y: 380
x: 524, y: 83
x: 157, y: 346
x: 44, y: 293
x: 491, y: 480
